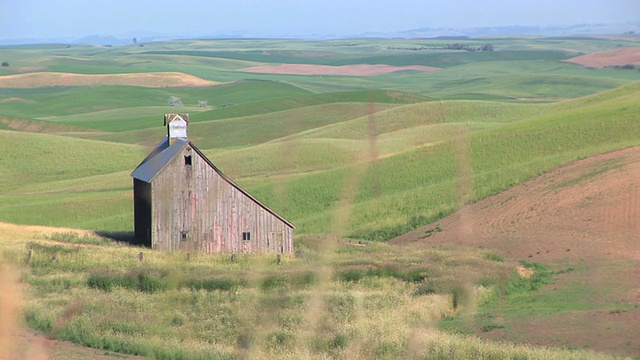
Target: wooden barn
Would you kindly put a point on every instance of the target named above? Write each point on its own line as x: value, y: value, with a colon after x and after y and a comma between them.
x: 182, y: 201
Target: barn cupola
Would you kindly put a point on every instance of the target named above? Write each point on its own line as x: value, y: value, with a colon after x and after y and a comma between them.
x: 176, y: 126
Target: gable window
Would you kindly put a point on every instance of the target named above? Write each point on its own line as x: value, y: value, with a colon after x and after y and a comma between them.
x: 187, y: 159
x: 246, y: 236
x: 184, y: 235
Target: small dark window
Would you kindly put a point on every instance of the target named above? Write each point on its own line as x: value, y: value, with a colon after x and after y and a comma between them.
x: 184, y: 235
x: 246, y: 236
x: 187, y: 160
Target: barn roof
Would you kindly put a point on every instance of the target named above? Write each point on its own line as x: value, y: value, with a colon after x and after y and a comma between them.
x: 159, y: 157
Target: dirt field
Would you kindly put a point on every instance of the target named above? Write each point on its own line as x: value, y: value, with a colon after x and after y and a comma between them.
x: 347, y: 70
x: 45, y: 79
x: 29, y: 346
x: 585, y: 215
x: 613, y: 57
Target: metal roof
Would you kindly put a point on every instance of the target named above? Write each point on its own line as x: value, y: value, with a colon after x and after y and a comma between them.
x: 158, y: 159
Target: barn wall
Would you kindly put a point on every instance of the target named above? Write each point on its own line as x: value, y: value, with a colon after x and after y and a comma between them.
x: 195, y: 209
x: 166, y: 226
x: 142, y: 212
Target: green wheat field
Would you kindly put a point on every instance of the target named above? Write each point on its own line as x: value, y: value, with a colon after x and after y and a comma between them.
x: 352, y: 161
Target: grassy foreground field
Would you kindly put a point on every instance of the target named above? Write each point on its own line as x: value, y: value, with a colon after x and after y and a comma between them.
x: 339, y: 300
x: 351, y: 160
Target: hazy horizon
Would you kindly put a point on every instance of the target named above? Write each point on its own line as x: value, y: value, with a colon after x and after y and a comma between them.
x: 28, y: 19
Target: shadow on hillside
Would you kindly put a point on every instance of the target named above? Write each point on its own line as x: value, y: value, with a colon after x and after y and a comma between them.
x: 120, y: 236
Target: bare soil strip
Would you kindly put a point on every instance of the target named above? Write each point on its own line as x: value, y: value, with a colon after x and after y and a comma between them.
x: 585, y: 216
x: 613, y: 57
x: 586, y: 210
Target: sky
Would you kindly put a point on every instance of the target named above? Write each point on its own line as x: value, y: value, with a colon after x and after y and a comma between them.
x: 77, y: 18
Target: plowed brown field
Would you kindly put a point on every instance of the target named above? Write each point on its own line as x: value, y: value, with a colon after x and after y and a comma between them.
x: 613, y: 57
x: 585, y: 216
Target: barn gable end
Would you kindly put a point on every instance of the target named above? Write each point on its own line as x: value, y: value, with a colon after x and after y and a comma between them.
x: 182, y: 201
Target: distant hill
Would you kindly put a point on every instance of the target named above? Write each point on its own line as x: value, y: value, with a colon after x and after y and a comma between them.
x: 142, y: 36
x: 514, y: 30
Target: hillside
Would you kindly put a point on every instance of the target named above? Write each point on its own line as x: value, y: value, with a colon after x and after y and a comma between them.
x: 403, y: 157
x: 400, y: 191
x: 352, y: 161
x: 583, y: 216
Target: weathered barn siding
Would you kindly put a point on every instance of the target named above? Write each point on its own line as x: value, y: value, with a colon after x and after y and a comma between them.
x: 184, y: 202
x: 195, y: 208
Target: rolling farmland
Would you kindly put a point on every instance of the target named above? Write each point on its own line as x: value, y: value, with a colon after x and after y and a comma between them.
x: 350, y: 158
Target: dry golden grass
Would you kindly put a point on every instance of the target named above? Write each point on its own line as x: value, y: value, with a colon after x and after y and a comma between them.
x: 153, y: 80
x: 375, y: 317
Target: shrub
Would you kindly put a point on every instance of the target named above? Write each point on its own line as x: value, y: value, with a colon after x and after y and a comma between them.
x: 331, y: 345
x: 305, y: 279
x: 75, y: 238
x: 150, y: 282
x: 39, y: 318
x: 350, y: 275
x: 541, y: 276
x: 271, y: 282
x: 341, y: 307
x: 424, y: 289
x: 493, y: 256
x: 102, y: 280
x: 280, y: 339
x: 459, y: 297
x: 211, y: 284
x: 386, y: 349
x: 145, y: 280
x: 392, y: 271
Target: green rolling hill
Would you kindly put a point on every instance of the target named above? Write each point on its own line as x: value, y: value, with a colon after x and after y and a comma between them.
x: 351, y: 161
